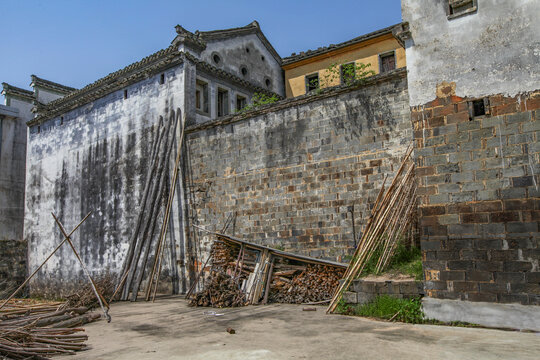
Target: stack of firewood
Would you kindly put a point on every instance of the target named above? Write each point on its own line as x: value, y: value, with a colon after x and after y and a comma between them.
x: 242, y: 275
x: 312, y: 284
x: 37, y: 331
x: 220, y: 291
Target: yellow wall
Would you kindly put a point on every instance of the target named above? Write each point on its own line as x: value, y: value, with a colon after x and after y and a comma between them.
x: 366, y: 52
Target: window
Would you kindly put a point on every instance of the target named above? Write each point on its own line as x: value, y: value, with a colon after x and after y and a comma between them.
x: 222, y: 102
x: 348, y: 73
x: 312, y: 82
x: 61, y: 120
x: 125, y: 94
x: 457, y: 8
x: 241, y: 102
x: 216, y: 58
x: 244, y: 71
x: 387, y: 62
x: 268, y: 82
x: 478, y: 107
x: 201, y: 97
x: 162, y: 79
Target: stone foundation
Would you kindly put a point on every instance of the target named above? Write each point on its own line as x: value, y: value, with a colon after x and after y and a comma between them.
x: 364, y: 291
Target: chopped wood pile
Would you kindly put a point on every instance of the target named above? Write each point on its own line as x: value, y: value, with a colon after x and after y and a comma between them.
x: 243, y: 273
x: 31, y: 330
x: 391, y: 220
x: 314, y: 283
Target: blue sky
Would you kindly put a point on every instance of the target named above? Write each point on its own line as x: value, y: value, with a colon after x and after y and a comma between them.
x: 75, y: 42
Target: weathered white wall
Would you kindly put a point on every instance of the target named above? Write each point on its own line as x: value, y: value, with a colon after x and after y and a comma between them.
x: 12, y: 168
x: 45, y: 96
x: 95, y: 161
x: 495, y: 50
x: 234, y: 55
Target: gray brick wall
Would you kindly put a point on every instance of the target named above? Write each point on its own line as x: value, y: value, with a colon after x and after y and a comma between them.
x: 480, y: 204
x: 292, y: 174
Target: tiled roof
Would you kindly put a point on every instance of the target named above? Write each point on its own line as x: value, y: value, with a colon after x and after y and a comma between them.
x: 201, y: 37
x: 110, y: 83
x: 129, y: 75
x: 322, y: 50
x: 16, y: 91
x: 37, y: 81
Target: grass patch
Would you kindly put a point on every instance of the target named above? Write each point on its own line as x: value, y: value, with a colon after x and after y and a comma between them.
x: 407, y: 260
x: 387, y: 308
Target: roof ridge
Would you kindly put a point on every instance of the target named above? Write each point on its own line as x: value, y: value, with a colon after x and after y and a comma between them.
x: 51, y: 84
x: 252, y: 25
x: 322, y: 50
x: 8, y: 87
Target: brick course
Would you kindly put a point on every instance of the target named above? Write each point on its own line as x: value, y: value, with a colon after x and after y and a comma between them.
x: 479, y: 201
x: 291, y: 175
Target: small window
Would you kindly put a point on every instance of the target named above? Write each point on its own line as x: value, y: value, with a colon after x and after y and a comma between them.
x: 201, y: 97
x: 241, y: 102
x: 262, y: 58
x: 222, y: 102
x: 312, y: 82
x: 216, y: 58
x: 268, y: 82
x: 478, y: 107
x: 125, y: 94
x: 39, y: 129
x: 61, y: 120
x: 457, y: 8
x: 387, y: 62
x: 162, y: 79
x: 247, y: 50
x: 348, y: 73
x: 244, y: 71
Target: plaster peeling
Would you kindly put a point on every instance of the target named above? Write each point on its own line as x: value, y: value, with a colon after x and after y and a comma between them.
x: 505, y: 39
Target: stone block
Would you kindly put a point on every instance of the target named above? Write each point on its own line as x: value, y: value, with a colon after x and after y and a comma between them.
x: 350, y: 297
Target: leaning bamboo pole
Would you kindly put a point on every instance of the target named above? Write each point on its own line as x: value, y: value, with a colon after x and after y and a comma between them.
x: 388, y: 220
x: 159, y: 251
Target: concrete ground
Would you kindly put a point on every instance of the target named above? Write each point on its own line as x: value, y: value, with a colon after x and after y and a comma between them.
x: 169, y: 329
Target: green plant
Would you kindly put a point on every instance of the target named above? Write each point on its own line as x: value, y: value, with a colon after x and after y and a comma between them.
x: 258, y: 100
x: 388, y: 308
x: 345, y: 74
x: 405, y: 260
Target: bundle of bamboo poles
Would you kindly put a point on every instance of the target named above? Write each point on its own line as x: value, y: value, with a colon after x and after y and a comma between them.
x: 152, y: 211
x: 392, y: 217
x: 31, y: 330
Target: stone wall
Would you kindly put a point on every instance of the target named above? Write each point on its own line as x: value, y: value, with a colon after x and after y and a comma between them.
x: 12, y: 265
x: 364, y: 291
x: 292, y: 174
x: 479, y: 180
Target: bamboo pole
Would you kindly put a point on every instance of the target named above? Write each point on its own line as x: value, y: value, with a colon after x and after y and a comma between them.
x: 43, y: 263
x: 99, y: 297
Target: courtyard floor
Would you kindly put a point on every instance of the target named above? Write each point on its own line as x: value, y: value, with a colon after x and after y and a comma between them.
x: 169, y: 329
